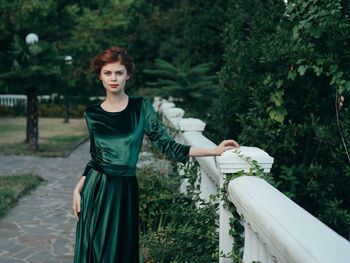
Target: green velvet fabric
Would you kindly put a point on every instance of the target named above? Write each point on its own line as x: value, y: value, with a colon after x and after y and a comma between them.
x: 108, y: 226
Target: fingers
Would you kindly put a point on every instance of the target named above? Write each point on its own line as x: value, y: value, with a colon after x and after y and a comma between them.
x: 230, y: 143
x: 76, y: 209
x: 229, y: 148
x: 76, y: 213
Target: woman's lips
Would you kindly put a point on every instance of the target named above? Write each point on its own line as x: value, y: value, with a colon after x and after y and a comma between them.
x: 113, y: 85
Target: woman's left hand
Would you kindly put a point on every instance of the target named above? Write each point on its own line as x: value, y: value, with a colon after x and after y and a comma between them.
x: 225, y: 145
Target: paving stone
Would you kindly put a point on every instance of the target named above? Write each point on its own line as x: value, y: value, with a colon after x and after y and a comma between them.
x: 11, y: 260
x: 8, y: 225
x: 61, y: 246
x: 51, y: 260
x: 5, y: 244
x: 39, y: 257
x: 23, y: 253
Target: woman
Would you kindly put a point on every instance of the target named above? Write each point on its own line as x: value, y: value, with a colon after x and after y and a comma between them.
x: 105, y: 200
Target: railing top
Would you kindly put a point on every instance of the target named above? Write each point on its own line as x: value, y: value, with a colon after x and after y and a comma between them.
x: 254, y: 153
x: 191, y: 124
x: 231, y: 161
x: 289, y: 232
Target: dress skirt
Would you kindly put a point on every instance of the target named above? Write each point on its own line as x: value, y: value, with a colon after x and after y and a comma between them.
x: 108, y: 226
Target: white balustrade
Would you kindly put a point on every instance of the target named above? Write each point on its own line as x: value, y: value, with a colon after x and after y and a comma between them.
x: 279, y: 230
x: 276, y: 228
x: 11, y: 100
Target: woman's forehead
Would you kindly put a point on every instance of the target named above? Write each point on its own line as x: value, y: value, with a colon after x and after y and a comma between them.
x: 115, y: 66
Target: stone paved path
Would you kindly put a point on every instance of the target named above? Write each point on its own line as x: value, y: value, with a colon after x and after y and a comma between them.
x: 41, y: 228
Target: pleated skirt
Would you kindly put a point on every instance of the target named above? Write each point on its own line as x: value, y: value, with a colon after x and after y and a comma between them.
x: 108, y: 226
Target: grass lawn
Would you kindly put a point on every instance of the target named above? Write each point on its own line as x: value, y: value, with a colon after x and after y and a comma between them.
x: 12, y: 187
x: 56, y: 138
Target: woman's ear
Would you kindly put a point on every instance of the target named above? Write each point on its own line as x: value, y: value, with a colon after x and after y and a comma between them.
x: 128, y: 77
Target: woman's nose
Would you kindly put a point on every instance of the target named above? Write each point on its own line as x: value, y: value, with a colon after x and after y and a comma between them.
x: 114, y: 76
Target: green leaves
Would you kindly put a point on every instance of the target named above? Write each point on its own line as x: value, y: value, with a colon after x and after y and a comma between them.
x: 281, y: 76
x: 302, y: 69
x: 171, y: 223
x: 193, y: 84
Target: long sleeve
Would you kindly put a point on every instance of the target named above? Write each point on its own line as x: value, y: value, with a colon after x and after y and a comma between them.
x: 92, y: 147
x: 159, y: 137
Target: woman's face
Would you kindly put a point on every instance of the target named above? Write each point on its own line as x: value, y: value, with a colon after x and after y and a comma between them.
x: 114, y: 76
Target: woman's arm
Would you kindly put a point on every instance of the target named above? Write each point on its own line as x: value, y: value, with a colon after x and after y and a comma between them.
x: 80, y: 184
x: 222, y: 147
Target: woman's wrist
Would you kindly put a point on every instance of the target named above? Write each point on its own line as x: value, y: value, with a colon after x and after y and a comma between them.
x: 214, y: 152
x: 80, y: 184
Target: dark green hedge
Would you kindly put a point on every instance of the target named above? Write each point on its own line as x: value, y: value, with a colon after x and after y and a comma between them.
x: 287, y: 70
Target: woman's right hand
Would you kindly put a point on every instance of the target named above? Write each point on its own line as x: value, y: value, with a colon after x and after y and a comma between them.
x: 76, y: 204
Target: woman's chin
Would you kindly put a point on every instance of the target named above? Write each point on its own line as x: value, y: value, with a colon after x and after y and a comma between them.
x: 115, y: 90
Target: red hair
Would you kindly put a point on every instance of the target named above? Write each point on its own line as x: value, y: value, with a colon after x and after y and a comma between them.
x: 111, y: 55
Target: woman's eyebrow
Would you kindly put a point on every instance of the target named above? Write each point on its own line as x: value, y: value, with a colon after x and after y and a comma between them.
x: 118, y: 70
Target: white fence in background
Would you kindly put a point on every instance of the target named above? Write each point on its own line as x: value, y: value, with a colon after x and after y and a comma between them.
x: 12, y: 99
x: 275, y: 228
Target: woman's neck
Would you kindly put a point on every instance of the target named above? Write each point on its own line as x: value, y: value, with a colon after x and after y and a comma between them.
x: 115, y: 102
x: 116, y: 98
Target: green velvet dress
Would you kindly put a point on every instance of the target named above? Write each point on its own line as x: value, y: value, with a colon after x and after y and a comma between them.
x: 108, y: 226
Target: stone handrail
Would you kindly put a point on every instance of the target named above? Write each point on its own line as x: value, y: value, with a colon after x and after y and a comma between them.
x: 279, y: 230
x: 276, y: 229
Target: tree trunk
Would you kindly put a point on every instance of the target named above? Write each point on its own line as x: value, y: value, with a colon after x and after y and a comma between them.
x: 27, y: 125
x: 66, y: 112
x: 32, y: 118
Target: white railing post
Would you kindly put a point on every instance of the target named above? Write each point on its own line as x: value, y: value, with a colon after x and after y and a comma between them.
x: 192, y: 127
x: 230, y: 162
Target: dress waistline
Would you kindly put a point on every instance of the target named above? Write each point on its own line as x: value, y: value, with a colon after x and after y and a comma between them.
x: 113, y: 170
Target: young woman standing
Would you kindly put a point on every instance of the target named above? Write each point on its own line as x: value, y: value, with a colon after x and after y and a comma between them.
x: 105, y: 200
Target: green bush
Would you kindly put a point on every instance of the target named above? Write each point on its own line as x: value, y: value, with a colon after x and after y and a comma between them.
x: 58, y: 111
x: 5, y: 111
x: 18, y: 109
x: 287, y: 70
x: 173, y: 229
x: 47, y: 110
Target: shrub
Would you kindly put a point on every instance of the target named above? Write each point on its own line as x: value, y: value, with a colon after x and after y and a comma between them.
x: 58, y: 110
x: 172, y: 227
x: 284, y: 83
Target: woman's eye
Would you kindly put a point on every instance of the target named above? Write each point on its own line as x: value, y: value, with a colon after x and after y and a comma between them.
x: 107, y: 73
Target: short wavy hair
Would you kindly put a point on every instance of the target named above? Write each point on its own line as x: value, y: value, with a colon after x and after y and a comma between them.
x: 111, y: 55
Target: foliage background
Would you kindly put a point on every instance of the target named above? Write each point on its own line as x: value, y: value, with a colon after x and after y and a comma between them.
x: 281, y: 71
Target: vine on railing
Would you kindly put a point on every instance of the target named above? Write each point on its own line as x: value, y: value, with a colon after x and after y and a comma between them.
x: 236, y: 225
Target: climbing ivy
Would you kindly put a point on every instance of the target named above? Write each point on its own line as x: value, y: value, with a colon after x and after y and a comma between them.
x: 236, y: 224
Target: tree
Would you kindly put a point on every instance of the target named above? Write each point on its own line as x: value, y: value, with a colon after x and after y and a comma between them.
x: 94, y: 31
x: 193, y: 84
x: 30, y: 69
